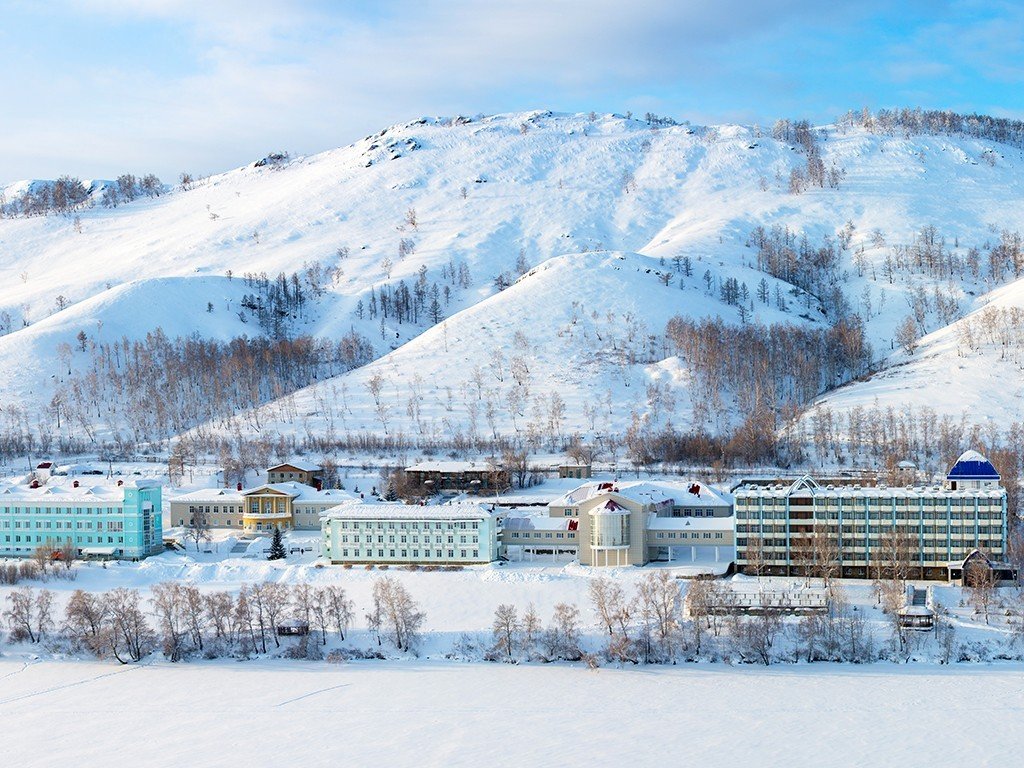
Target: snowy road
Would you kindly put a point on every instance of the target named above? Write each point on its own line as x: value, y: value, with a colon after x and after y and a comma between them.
x: 441, y: 714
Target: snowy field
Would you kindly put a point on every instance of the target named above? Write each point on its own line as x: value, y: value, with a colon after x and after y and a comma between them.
x: 438, y: 714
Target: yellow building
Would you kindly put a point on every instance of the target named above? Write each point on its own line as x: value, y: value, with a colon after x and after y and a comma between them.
x: 259, y: 509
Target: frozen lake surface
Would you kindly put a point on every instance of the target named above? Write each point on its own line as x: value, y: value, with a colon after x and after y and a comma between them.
x: 279, y: 713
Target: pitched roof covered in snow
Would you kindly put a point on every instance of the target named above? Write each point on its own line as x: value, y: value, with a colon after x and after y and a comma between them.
x: 302, y: 466
x: 972, y: 466
x: 392, y: 511
x: 450, y: 467
x: 681, y: 494
x: 64, y: 493
x: 538, y: 523
x: 297, y: 491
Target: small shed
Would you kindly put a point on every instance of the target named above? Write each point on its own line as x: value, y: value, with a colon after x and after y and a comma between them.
x: 575, y: 471
x: 294, y: 627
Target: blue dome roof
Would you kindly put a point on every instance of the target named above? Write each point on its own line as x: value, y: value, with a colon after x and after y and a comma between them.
x: 972, y: 466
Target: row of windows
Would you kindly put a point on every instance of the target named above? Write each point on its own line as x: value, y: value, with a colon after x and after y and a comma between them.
x: 391, y: 525
x: 538, y: 535
x: 875, y: 503
x: 403, y: 539
x: 27, y: 538
x: 693, y: 512
x: 888, y: 515
x: 913, y: 530
x: 690, y: 535
x: 404, y: 553
x: 875, y: 544
x: 50, y: 525
x: 62, y: 510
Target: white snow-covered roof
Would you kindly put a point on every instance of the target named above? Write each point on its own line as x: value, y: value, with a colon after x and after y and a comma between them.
x: 391, y: 511
x: 915, y: 610
x: 536, y: 523
x: 450, y: 466
x: 209, y: 494
x: 682, y: 494
x: 302, y: 466
x: 848, y: 491
x: 655, y: 523
x: 62, y: 493
x: 299, y: 492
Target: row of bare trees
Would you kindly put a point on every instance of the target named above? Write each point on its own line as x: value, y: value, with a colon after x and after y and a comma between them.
x: 183, y: 621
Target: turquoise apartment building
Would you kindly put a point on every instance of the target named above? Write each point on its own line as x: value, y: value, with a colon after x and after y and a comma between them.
x: 104, y: 520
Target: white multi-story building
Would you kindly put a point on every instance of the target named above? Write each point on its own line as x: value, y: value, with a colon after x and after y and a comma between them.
x: 440, y: 534
x: 777, y: 523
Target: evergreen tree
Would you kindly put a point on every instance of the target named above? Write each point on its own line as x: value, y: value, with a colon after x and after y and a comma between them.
x: 276, y: 546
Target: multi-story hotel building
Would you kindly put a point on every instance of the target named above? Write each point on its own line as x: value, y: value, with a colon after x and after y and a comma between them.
x: 778, y: 523
x: 626, y: 523
x: 439, y: 534
x: 100, y: 519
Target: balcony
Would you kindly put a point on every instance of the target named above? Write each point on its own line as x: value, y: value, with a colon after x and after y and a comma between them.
x: 266, y: 515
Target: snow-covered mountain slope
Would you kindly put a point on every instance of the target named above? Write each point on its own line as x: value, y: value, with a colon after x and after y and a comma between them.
x: 580, y: 330
x: 971, y: 371
x: 42, y: 355
x: 457, y: 203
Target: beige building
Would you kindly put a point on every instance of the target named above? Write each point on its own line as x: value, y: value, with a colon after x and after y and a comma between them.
x: 259, y: 509
x: 575, y: 471
x: 626, y: 523
x: 294, y: 471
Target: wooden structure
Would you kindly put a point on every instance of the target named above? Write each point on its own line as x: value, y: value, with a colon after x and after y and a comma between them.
x: 295, y: 471
x: 458, y: 477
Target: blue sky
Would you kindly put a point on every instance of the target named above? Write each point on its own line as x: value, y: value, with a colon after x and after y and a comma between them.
x: 98, y: 87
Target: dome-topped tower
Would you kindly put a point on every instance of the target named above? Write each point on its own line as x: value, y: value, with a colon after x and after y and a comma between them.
x: 972, y: 470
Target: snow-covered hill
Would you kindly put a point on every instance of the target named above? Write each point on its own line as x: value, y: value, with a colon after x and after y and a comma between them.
x: 457, y: 203
x: 968, y: 373
x: 567, y: 348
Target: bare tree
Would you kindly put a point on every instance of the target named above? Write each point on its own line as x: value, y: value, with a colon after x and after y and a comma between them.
x: 168, y: 606
x: 562, y: 637
x: 86, y: 617
x: 130, y: 638
x: 43, y: 556
x: 506, y: 630
x: 825, y: 549
x: 907, y: 335
x: 67, y: 554
x: 658, y: 602
x: 339, y: 608
x: 755, y: 556
x: 21, y: 615
x: 302, y: 603
x: 531, y: 631
x: 198, y: 528
x: 517, y: 464
x: 395, y: 614
x: 195, y: 614
x: 220, y: 616
x: 755, y: 636
x: 981, y: 580
x: 274, y: 600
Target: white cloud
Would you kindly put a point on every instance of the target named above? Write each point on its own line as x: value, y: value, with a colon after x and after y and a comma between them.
x: 257, y: 75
